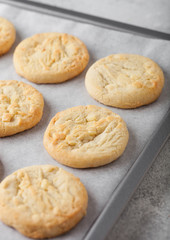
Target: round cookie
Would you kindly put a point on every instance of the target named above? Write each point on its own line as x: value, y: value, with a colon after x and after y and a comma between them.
x: 7, y: 35
x: 42, y: 201
x: 124, y: 80
x: 86, y: 136
x: 21, y: 107
x: 50, y: 57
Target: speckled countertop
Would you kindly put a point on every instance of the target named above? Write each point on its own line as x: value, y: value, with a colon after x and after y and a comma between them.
x: 147, y: 215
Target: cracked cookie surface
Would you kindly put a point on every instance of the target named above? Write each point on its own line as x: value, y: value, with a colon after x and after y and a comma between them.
x: 50, y: 57
x: 7, y: 35
x: 86, y: 136
x: 21, y: 107
x: 42, y: 201
x: 125, y: 80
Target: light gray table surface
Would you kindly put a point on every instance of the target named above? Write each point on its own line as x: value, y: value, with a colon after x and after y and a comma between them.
x: 147, y: 215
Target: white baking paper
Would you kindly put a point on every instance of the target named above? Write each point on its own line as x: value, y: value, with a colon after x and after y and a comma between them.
x: 25, y: 149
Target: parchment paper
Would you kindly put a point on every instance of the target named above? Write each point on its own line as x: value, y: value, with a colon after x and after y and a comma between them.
x: 25, y: 149
x: 153, y: 14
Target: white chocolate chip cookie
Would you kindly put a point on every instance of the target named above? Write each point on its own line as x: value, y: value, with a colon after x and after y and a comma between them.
x: 7, y: 35
x: 86, y: 136
x: 125, y: 80
x: 42, y: 201
x: 21, y: 107
x: 50, y: 57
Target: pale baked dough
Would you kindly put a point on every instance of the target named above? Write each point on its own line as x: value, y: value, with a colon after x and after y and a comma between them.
x: 125, y: 80
x: 42, y: 201
x: 21, y: 107
x: 50, y: 57
x: 86, y: 136
x: 7, y: 35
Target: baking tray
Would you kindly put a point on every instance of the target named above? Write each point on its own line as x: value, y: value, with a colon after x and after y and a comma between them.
x: 101, y: 225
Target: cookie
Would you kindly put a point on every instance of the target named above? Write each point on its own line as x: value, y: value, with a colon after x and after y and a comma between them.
x: 7, y: 35
x: 50, y: 57
x: 86, y: 136
x: 124, y: 80
x: 21, y: 107
x: 42, y: 201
